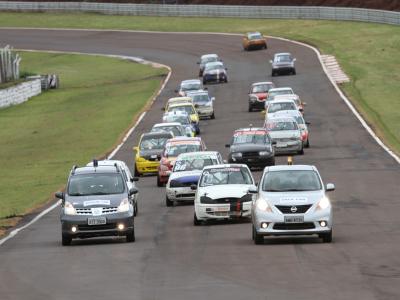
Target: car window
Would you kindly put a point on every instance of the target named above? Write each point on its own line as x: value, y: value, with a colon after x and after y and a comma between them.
x: 175, y: 149
x: 175, y: 130
x: 283, y: 58
x: 274, y: 107
x: 200, y: 99
x: 149, y: 143
x: 291, y: 180
x: 218, y: 176
x: 261, y: 88
x: 255, y: 36
x: 186, y: 108
x: 255, y: 137
x: 278, y: 126
x: 209, y: 59
x: 210, y: 67
x: 191, y: 86
x: 96, y: 184
x: 192, y: 164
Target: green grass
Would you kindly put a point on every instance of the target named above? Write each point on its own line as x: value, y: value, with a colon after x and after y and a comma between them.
x: 369, y: 53
x: 41, y: 139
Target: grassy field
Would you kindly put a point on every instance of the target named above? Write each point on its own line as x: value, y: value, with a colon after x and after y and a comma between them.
x: 42, y: 138
x: 369, y: 53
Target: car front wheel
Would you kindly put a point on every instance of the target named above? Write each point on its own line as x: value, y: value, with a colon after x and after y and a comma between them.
x: 258, y: 238
x: 168, y: 202
x: 326, y: 237
x: 130, y: 236
x: 66, y: 240
x: 196, y: 222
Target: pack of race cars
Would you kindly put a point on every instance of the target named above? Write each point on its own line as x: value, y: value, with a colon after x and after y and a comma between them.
x: 289, y: 200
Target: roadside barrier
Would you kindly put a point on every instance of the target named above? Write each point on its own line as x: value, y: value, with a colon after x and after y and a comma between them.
x: 9, y: 65
x: 235, y: 11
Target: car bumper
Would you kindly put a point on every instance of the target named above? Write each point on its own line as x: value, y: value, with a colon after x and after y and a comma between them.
x: 180, y: 193
x: 289, y: 147
x: 147, y: 166
x: 205, y: 112
x: 256, y: 45
x: 257, y: 104
x: 214, y: 78
x: 86, y: 231
x: 277, y: 226
x: 221, y: 211
x: 283, y: 70
x: 260, y: 161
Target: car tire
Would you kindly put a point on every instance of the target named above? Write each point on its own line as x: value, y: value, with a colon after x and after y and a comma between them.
x: 327, y: 237
x: 66, y: 240
x: 204, y: 82
x: 196, y: 222
x: 168, y: 202
x: 308, y: 143
x: 294, y: 72
x: 159, y: 183
x: 301, y: 152
x: 213, y: 116
x: 250, y: 108
x: 226, y: 80
x: 137, y: 173
x: 273, y: 74
x: 136, y: 209
x: 258, y: 238
x: 130, y: 236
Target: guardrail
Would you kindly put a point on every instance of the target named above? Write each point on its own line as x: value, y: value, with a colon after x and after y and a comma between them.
x: 9, y: 64
x: 261, y: 12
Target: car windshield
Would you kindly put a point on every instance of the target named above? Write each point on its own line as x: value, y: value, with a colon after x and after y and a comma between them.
x: 210, y: 67
x: 151, y: 142
x: 186, y: 108
x: 291, y: 180
x: 229, y: 175
x: 282, y: 125
x: 96, y: 184
x: 200, y: 99
x: 274, y: 107
x: 174, y: 149
x: 299, y: 119
x: 255, y: 36
x: 183, y: 119
x: 191, y: 86
x: 261, y: 88
x: 175, y: 130
x: 283, y: 58
x: 191, y: 164
x: 258, y: 137
x: 208, y: 59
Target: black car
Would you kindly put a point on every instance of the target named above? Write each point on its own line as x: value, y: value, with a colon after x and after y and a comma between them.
x: 283, y: 63
x: 251, y: 146
x: 97, y: 202
x: 215, y: 72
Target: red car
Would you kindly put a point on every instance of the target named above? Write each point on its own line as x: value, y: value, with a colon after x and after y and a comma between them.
x: 258, y: 93
x: 172, y: 149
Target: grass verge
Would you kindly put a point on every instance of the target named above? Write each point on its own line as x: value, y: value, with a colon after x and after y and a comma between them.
x: 368, y: 53
x: 41, y: 139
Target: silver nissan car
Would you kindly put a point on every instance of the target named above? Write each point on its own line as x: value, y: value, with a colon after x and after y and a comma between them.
x: 291, y: 200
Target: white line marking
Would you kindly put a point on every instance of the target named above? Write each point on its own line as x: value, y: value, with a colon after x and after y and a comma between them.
x: 344, y: 98
x: 14, y: 232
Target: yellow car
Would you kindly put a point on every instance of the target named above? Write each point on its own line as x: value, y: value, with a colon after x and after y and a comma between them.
x: 190, y: 109
x: 149, y: 151
x: 177, y: 100
x: 254, y: 40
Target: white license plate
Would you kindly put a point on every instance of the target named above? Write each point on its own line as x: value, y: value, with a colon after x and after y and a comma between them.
x: 97, y: 221
x: 281, y: 145
x: 294, y: 219
x: 236, y: 213
x: 221, y: 209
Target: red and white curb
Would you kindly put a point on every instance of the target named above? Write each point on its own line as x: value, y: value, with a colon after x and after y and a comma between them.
x: 334, y: 69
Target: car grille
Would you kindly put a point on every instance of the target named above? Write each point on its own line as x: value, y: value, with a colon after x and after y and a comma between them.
x: 287, y: 209
x: 293, y: 226
x: 176, y: 183
x: 284, y: 140
x: 88, y: 211
x: 185, y: 195
x: 149, y: 158
x: 96, y: 227
x: 230, y: 200
x: 250, y: 154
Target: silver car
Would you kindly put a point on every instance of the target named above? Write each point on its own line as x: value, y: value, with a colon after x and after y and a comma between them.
x: 204, y: 104
x: 291, y: 200
x: 285, y: 134
x: 283, y: 63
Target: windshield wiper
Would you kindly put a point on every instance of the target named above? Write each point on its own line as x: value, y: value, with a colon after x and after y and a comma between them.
x: 76, y: 194
x: 100, y: 193
x: 294, y: 190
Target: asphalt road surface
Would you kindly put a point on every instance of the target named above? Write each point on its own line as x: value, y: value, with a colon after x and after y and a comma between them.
x: 172, y: 259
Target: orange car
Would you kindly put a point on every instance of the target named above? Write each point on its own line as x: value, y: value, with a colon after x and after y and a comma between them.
x: 254, y: 40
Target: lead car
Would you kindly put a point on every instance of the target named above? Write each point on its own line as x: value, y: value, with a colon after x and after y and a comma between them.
x: 291, y: 200
x: 222, y: 193
x: 97, y: 202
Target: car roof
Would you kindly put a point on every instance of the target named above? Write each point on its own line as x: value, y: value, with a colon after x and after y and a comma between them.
x: 286, y: 96
x: 180, y: 104
x: 282, y: 53
x: 176, y: 113
x: 282, y: 101
x: 191, y: 81
x: 166, y: 124
x: 293, y: 112
x: 157, y: 134
x: 107, y: 162
x: 251, y: 129
x: 254, y: 32
x: 261, y: 83
x: 179, y: 99
x: 281, y: 89
x: 99, y: 169
x: 215, y: 63
x: 281, y: 119
x: 209, y: 55
x: 185, y: 139
x: 290, y: 167
x: 225, y: 166
x: 198, y: 92
x: 198, y: 153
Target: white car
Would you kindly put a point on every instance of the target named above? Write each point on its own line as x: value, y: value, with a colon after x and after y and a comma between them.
x: 222, y: 193
x: 291, y: 200
x: 126, y: 174
x: 189, y: 85
x: 204, y: 104
x: 293, y: 97
x: 298, y: 116
x: 278, y: 105
x: 186, y: 172
x: 272, y: 93
x: 206, y: 58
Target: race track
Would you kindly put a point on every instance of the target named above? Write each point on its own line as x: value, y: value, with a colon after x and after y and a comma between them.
x: 172, y: 259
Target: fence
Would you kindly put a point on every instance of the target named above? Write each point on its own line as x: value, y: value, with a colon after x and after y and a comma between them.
x: 9, y: 65
x: 262, y: 12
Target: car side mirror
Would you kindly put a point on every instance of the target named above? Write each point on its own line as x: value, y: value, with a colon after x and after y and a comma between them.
x: 205, y: 88
x: 227, y: 145
x: 196, y: 106
x: 270, y: 61
x: 263, y: 112
x: 252, y: 190
x: 225, y: 161
x: 213, y: 99
x: 133, y: 191
x: 330, y: 187
x: 163, y: 108
x: 226, y: 69
x: 193, y: 187
x: 136, y: 149
x: 273, y: 142
x: 133, y: 179
x: 308, y: 123
x: 304, y: 103
x: 60, y: 195
x: 176, y: 90
x: 198, y: 63
x: 294, y: 59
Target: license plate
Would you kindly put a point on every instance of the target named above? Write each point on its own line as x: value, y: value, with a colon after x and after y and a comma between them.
x: 236, y: 213
x: 97, y: 221
x: 153, y: 156
x: 281, y: 145
x: 294, y: 219
x: 221, y: 209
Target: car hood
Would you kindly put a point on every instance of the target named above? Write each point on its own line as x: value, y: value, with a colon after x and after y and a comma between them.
x: 186, y: 176
x: 293, y: 198
x: 284, y: 134
x: 224, y: 191
x: 217, y: 71
x: 261, y: 96
x: 148, y: 153
x: 113, y: 200
x: 249, y: 148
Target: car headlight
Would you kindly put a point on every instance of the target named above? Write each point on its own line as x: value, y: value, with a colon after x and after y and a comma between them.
x: 124, y: 206
x: 324, y: 203
x: 237, y: 155
x: 253, y: 98
x: 69, y: 209
x: 263, y: 205
x: 263, y: 153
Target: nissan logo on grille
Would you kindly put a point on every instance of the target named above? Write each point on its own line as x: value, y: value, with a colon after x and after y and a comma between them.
x: 293, y: 209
